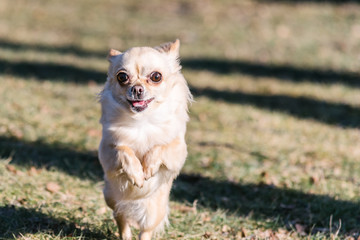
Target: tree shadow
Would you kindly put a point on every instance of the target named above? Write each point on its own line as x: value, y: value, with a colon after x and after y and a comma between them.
x: 266, y: 202
x: 69, y: 73
x: 259, y: 201
x: 18, y: 221
x: 282, y: 72
x: 42, y: 155
x: 335, y: 2
x: 222, y: 66
x: 302, y: 107
x: 338, y: 114
x: 51, y: 71
x: 64, y: 49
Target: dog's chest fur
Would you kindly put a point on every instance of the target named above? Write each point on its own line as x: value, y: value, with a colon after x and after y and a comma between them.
x: 144, y: 134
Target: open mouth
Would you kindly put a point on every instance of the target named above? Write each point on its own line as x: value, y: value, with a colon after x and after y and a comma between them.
x: 139, y: 105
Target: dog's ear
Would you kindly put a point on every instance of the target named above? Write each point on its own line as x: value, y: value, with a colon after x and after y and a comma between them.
x: 113, y: 53
x: 171, y: 48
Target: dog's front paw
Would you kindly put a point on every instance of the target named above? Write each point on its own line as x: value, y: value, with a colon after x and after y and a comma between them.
x: 151, y: 163
x: 131, y: 165
x: 135, y: 175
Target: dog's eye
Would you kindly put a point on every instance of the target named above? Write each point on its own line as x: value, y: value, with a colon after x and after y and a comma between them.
x: 122, y: 77
x: 155, y: 77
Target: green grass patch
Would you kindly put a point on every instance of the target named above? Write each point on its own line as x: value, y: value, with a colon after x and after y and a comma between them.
x: 273, y: 138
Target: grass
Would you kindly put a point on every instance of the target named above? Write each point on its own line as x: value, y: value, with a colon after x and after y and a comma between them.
x: 273, y: 137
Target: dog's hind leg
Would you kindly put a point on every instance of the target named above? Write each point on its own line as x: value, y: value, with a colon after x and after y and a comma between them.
x: 124, y: 227
x: 145, y: 235
x: 156, y: 212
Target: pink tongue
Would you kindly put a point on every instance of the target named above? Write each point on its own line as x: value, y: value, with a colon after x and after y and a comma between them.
x: 138, y: 103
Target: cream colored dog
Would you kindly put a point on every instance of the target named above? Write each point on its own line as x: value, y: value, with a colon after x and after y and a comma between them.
x: 144, y: 114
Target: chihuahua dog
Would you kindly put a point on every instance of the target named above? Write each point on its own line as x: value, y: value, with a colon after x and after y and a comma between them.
x: 144, y: 114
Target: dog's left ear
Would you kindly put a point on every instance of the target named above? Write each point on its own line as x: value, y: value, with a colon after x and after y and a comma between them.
x: 171, y: 48
x: 113, y: 53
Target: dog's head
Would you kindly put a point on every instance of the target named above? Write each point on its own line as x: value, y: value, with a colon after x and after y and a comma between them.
x: 142, y: 77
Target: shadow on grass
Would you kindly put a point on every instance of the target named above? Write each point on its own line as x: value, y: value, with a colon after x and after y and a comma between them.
x: 222, y: 66
x: 51, y: 71
x: 331, y: 113
x: 260, y: 201
x: 40, y: 154
x: 285, y: 207
x: 338, y: 114
x: 18, y: 221
x: 282, y: 72
x: 64, y: 49
x: 336, y: 2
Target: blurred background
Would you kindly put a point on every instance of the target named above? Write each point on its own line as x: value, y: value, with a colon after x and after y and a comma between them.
x: 274, y: 133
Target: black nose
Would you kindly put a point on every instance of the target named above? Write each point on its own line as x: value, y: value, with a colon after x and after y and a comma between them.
x: 137, y: 91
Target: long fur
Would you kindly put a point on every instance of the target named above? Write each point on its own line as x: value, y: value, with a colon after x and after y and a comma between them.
x: 154, y: 136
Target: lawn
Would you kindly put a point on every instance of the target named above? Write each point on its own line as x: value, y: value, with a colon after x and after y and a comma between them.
x: 273, y: 138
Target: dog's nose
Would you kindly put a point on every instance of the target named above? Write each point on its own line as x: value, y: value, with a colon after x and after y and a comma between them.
x: 137, y: 91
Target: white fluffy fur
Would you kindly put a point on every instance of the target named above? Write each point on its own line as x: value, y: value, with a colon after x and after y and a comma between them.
x: 148, y: 133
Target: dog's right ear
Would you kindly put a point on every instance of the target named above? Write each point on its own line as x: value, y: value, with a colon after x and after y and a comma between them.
x: 171, y: 48
x: 113, y: 53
